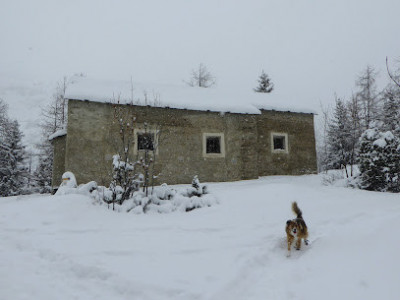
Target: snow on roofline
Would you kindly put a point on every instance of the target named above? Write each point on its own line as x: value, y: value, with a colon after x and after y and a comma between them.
x: 181, y: 97
x: 57, y: 134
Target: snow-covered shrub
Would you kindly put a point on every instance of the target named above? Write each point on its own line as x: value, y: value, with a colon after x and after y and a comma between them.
x: 164, y: 192
x: 379, y: 161
x: 163, y: 199
x: 197, y: 189
x: 339, y: 178
x: 101, y: 195
x: 186, y: 204
x: 125, y: 180
x: 332, y: 176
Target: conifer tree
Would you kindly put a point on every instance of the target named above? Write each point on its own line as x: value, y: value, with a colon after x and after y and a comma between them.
x: 379, y: 160
x: 43, y: 173
x: 391, y: 108
x: 14, y: 174
x: 265, y: 84
x: 340, y: 142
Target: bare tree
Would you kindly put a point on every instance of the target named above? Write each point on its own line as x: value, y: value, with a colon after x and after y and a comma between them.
x: 56, y: 112
x: 367, y: 96
x: 322, y: 136
x: 135, y: 145
x: 394, y: 78
x: 355, y: 130
x: 201, y: 77
x: 54, y: 118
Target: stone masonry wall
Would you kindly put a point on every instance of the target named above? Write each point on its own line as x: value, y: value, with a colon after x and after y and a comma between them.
x: 180, y: 152
x: 59, y: 144
x: 92, y: 137
x: 301, y: 157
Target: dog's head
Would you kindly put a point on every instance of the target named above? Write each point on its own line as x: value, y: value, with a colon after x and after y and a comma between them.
x: 292, y: 227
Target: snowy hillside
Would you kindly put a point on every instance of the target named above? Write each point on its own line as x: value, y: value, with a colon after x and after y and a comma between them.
x: 66, y: 248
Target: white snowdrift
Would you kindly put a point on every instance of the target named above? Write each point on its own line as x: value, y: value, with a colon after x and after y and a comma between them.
x: 66, y: 248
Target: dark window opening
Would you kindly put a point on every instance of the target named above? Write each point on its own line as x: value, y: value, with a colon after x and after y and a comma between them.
x: 213, y: 144
x: 279, y: 143
x: 145, y: 141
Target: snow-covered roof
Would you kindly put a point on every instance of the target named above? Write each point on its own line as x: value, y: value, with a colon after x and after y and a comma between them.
x: 58, y: 133
x: 182, y: 96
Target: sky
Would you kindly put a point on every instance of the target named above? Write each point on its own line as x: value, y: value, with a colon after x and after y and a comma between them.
x: 311, y: 50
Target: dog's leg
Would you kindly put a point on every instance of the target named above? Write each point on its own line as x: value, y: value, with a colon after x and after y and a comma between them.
x: 289, y: 245
x: 306, y: 242
x: 298, y: 244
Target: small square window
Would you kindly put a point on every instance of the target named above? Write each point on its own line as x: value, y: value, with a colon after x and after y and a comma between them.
x: 145, y: 141
x: 213, y: 144
x: 279, y: 143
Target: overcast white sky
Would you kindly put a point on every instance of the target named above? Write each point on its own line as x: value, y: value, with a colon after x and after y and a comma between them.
x: 310, y: 49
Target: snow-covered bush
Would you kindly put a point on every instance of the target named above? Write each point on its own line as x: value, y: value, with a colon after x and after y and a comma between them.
x: 340, y: 177
x: 197, y: 189
x: 379, y: 161
x: 125, y: 180
x: 163, y: 199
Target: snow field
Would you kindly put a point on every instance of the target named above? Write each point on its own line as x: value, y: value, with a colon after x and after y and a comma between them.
x: 66, y: 248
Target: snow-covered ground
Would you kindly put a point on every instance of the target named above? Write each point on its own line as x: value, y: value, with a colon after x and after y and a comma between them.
x: 63, y: 247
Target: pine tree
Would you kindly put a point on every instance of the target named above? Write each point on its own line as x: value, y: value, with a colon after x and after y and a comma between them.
x: 340, y: 138
x: 391, y: 108
x: 264, y: 84
x: 14, y: 173
x: 379, y: 160
x: 370, y: 162
x: 43, y: 173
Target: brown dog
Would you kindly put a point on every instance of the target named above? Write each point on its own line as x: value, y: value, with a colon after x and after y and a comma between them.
x: 296, y: 229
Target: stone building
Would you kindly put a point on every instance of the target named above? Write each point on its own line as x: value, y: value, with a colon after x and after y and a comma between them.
x: 218, y: 144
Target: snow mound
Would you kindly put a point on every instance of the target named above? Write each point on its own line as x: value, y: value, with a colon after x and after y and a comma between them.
x: 164, y: 199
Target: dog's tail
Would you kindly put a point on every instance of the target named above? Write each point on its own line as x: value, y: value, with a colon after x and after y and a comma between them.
x: 297, y: 210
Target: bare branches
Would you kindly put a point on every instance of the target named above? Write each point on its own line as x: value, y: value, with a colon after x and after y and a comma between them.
x: 396, y: 81
x: 201, y: 77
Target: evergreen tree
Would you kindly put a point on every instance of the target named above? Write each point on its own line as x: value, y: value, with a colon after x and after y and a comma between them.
x: 379, y: 160
x: 340, y: 142
x: 391, y: 109
x: 265, y: 84
x: 43, y: 173
x: 14, y: 174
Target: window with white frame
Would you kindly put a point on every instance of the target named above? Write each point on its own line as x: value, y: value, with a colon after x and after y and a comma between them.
x: 279, y: 142
x: 213, y: 145
x: 145, y: 140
